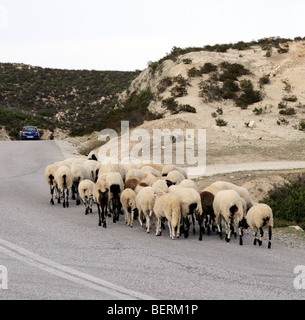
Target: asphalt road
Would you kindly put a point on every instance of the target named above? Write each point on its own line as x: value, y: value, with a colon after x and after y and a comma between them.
x: 55, y: 253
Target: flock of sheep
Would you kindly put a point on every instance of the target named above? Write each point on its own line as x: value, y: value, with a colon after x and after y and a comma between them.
x: 162, y: 193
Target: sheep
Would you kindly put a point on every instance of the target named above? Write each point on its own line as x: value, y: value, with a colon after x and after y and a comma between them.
x: 145, y: 201
x: 160, y: 184
x: 155, y: 166
x: 101, y: 198
x: 188, y: 183
x: 131, y: 183
x: 223, y: 185
x: 50, y: 178
x: 140, y: 186
x: 79, y: 173
x: 227, y: 204
x: 116, y: 187
x: 170, y: 167
x: 150, y: 169
x: 64, y: 180
x: 174, y: 187
x: 207, y: 199
x: 168, y: 205
x: 175, y: 177
x: 190, y: 203
x: 258, y: 217
x: 128, y: 200
x: 111, y: 167
x: 149, y: 178
x: 85, y: 190
x: 91, y: 165
x: 134, y: 173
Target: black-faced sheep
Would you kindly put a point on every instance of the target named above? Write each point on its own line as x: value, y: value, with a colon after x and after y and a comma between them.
x: 259, y: 217
x: 228, y: 205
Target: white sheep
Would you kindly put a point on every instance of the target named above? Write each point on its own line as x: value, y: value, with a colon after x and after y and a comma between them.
x: 156, y: 166
x: 50, y: 178
x: 228, y: 205
x: 145, y: 201
x: 149, y: 178
x: 175, y: 177
x: 258, y: 217
x: 64, y: 181
x: 168, y: 205
x: 128, y: 200
x: 101, y: 198
x: 170, y: 167
x: 116, y: 187
x: 174, y: 187
x: 150, y: 169
x: 188, y: 183
x: 85, y: 190
x: 160, y: 184
x: 223, y: 185
x: 91, y: 165
x: 190, y: 203
x: 134, y: 173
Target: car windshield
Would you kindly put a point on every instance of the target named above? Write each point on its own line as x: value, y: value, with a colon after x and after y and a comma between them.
x: 30, y: 129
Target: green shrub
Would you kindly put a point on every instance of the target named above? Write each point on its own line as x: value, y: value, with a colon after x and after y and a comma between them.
x: 187, y: 108
x: 258, y: 111
x: 164, y: 84
x: 291, y: 98
x: 288, y: 112
x: 263, y: 81
x: 178, y: 91
x: 210, y: 91
x: 249, y: 95
x: 221, y: 123
x: 302, y: 126
x: 288, y: 202
x: 232, y: 71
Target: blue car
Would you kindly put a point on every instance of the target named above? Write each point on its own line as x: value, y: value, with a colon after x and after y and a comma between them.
x: 29, y: 133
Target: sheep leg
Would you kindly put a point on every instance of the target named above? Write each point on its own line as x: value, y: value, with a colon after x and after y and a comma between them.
x: 148, y: 223
x: 90, y: 205
x: 170, y: 230
x: 193, y: 221
x: 201, y: 228
x: 52, y: 193
x: 67, y: 197
x: 104, y: 213
x: 127, y: 212
x: 260, y: 241
x: 228, y: 231
x: 270, y: 236
x: 158, y: 227
x: 240, y: 231
x: 99, y: 215
x: 140, y: 217
x: 255, y: 237
x: 219, y: 229
x: 73, y: 192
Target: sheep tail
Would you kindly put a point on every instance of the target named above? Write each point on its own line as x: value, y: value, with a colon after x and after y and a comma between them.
x: 265, y: 221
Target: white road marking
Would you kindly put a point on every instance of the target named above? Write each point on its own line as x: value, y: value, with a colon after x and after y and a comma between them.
x: 68, y: 273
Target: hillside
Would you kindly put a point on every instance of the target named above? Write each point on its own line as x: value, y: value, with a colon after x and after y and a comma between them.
x: 249, y: 97
x: 75, y: 101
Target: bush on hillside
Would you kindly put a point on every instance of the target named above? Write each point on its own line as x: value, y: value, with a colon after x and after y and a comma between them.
x: 288, y: 202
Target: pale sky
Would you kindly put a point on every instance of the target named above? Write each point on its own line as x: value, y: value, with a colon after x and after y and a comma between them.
x: 126, y: 34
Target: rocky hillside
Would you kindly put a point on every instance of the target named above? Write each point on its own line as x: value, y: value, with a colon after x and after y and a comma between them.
x: 246, y: 95
x: 74, y: 101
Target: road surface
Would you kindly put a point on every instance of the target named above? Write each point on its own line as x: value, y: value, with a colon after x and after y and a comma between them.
x: 54, y: 253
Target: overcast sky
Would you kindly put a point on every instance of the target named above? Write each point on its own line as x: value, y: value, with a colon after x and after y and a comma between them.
x: 127, y: 34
